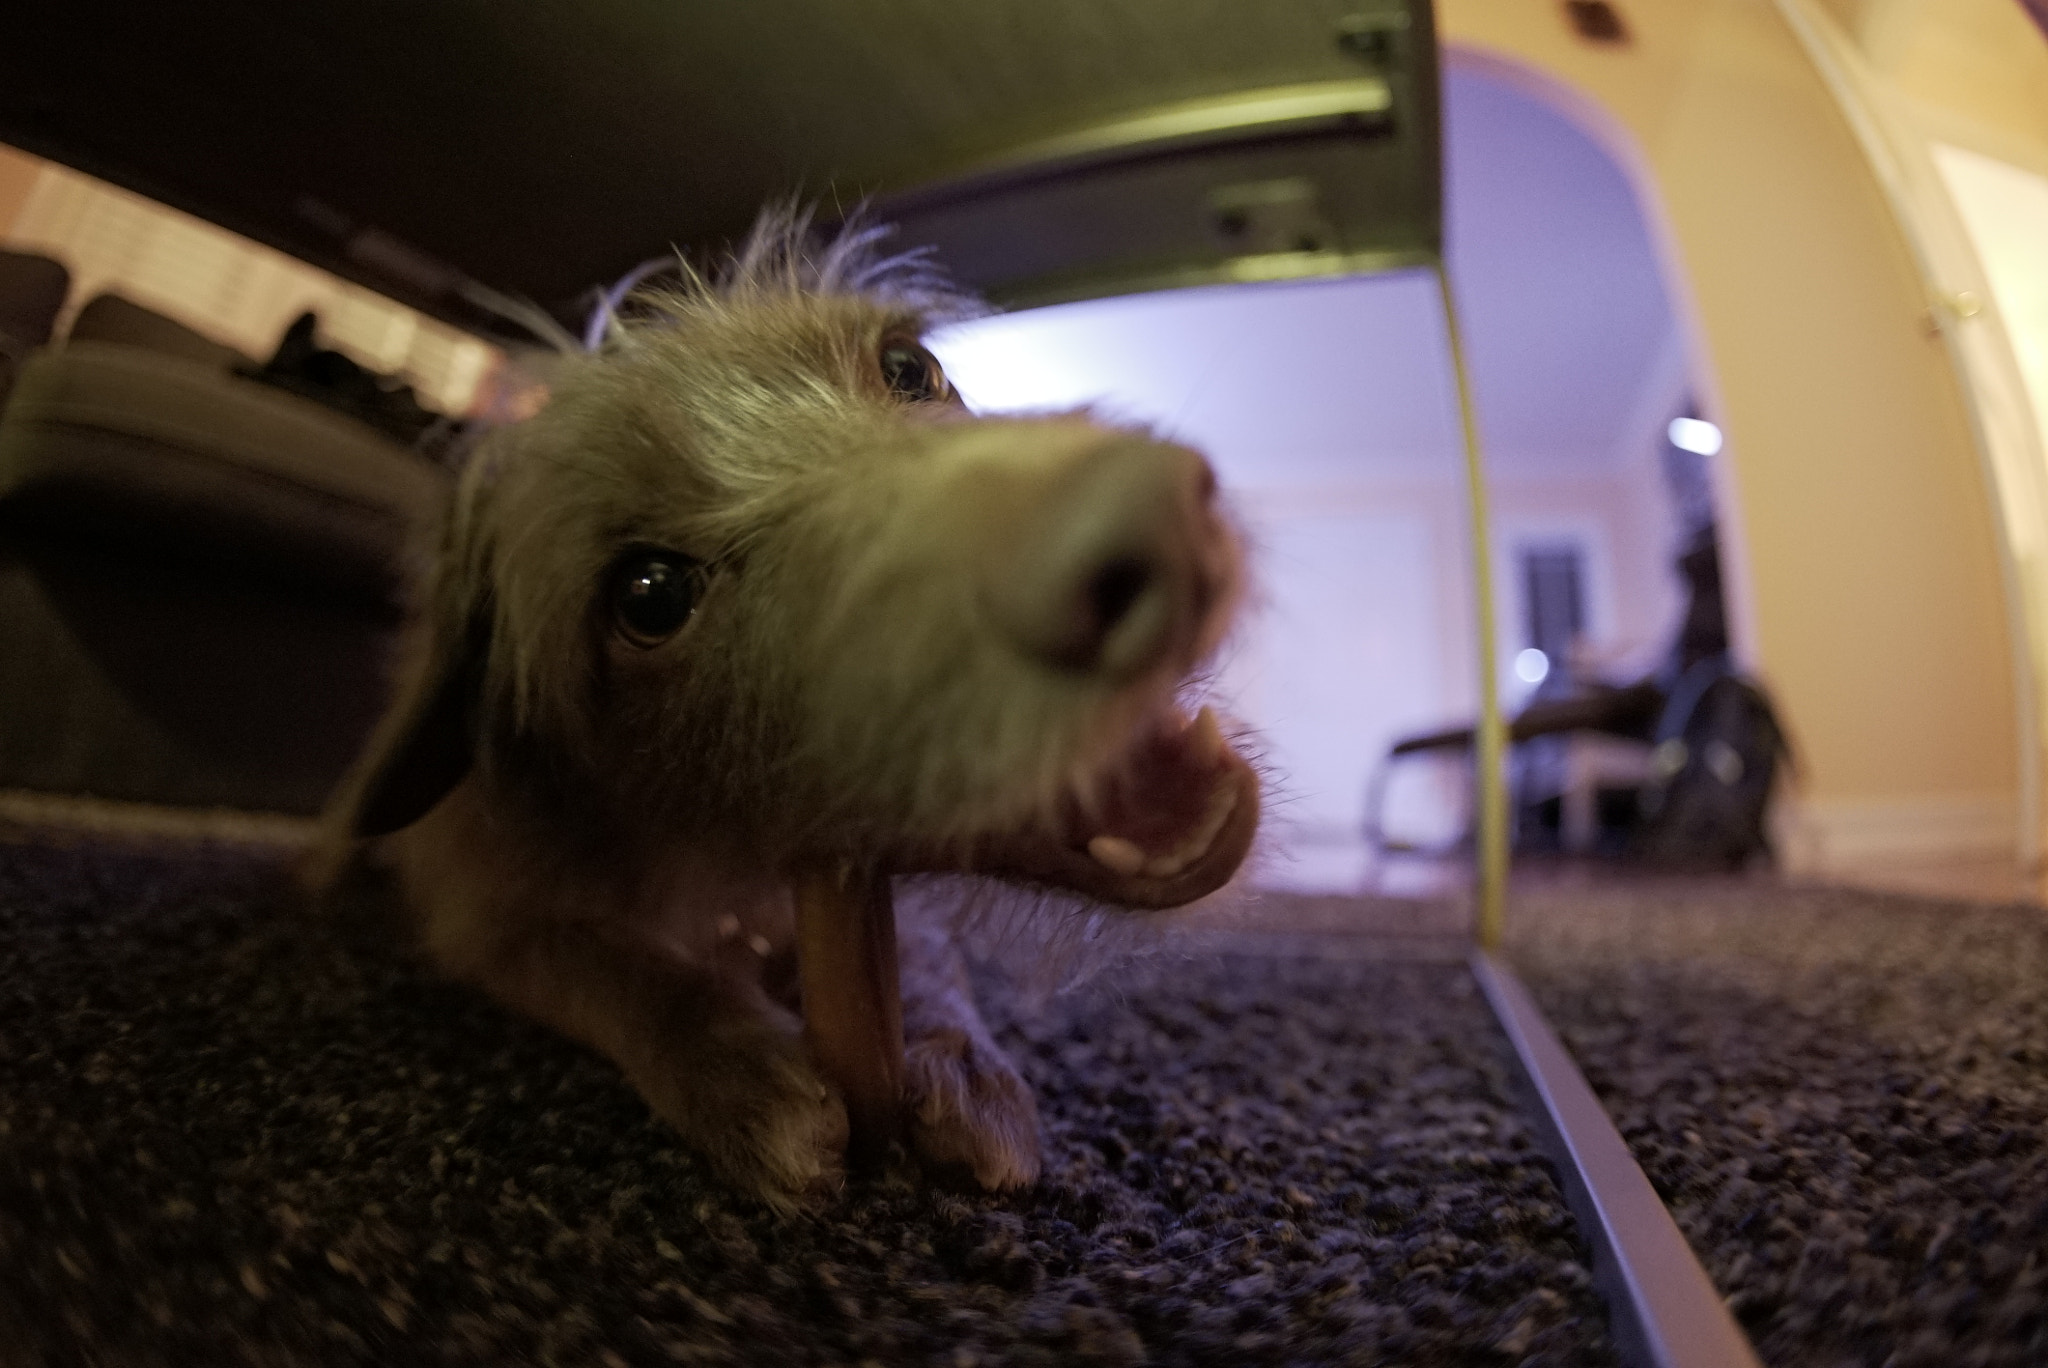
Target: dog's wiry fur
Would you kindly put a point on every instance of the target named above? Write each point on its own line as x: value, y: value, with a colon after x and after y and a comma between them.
x: 601, y: 833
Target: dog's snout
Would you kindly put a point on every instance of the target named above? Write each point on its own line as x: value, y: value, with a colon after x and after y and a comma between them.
x: 1112, y: 569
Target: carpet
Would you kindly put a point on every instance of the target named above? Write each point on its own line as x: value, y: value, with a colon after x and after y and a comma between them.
x: 232, y: 1132
x: 1842, y: 1096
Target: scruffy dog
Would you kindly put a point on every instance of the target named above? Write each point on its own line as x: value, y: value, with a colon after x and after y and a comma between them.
x: 755, y: 593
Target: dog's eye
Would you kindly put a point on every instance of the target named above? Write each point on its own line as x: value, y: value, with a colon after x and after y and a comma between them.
x: 913, y: 373
x: 654, y: 594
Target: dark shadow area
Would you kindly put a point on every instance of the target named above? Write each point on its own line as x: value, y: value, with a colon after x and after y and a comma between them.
x: 140, y: 676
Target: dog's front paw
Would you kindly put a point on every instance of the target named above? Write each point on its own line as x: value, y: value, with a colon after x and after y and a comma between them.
x: 761, y: 1114
x: 970, y: 1109
x: 796, y: 1144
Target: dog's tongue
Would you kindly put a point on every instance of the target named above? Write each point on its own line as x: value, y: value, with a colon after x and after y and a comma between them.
x: 1172, y: 824
x: 1163, y: 811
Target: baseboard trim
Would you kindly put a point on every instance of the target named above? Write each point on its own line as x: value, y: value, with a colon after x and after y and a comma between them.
x: 1835, y: 836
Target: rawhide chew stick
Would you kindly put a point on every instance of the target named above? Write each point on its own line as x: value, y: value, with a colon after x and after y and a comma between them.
x: 853, y: 1008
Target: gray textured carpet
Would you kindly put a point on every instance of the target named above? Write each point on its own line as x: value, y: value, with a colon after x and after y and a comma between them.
x: 233, y: 1134
x: 1843, y: 1097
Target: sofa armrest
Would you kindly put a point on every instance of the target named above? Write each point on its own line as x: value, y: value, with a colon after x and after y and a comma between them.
x: 114, y: 442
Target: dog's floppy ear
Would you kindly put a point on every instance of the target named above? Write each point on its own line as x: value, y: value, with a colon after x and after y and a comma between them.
x: 427, y: 742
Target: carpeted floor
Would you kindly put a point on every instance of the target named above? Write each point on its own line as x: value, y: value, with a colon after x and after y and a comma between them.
x: 1842, y: 1096
x: 230, y: 1133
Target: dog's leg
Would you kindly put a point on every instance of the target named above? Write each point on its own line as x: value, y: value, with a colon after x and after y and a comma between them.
x: 708, y: 1051
x: 968, y: 1106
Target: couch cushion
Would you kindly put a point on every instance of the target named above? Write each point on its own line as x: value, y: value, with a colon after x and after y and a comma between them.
x: 32, y: 290
x: 117, y: 318
x: 116, y: 441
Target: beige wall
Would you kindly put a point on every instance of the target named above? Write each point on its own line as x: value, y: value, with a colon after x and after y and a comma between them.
x: 1978, y: 68
x: 1866, y: 566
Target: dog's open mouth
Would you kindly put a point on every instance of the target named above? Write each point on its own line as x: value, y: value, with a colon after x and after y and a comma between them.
x: 1169, y: 820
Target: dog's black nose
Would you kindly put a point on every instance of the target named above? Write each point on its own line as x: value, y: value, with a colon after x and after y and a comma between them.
x: 1117, y: 565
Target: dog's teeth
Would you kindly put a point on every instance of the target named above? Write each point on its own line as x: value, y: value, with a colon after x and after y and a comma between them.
x: 760, y: 945
x: 1117, y: 855
x: 728, y: 926
x: 1205, y: 738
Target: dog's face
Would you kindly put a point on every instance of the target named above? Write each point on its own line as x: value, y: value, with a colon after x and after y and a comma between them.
x: 756, y: 578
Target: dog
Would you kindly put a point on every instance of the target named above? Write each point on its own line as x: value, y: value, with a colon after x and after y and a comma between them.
x: 754, y: 592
